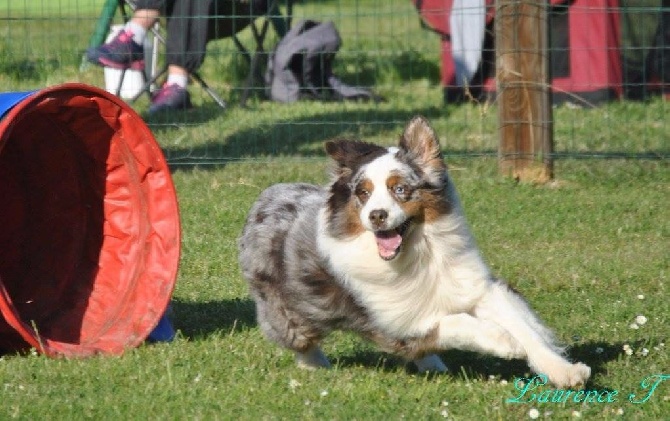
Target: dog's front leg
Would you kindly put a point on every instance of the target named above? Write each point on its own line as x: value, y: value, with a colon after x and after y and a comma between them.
x: 502, y: 306
x: 465, y: 332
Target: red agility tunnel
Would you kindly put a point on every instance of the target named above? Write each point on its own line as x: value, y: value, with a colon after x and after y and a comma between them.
x: 89, y: 235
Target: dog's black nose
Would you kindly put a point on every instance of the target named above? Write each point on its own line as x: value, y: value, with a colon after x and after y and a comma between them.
x: 378, y: 217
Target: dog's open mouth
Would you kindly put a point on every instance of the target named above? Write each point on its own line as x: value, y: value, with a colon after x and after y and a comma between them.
x: 389, y: 242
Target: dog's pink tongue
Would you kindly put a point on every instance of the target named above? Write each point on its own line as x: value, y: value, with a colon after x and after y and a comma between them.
x: 388, y: 242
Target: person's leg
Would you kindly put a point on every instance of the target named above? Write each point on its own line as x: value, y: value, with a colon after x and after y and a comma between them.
x: 187, y: 29
x: 188, y: 34
x: 193, y: 23
x: 141, y: 22
x: 126, y: 49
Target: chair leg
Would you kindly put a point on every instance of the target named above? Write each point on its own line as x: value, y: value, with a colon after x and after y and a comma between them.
x: 252, y: 77
x: 148, y: 84
x: 158, y: 39
x: 209, y: 90
x: 254, y: 69
x: 120, y: 85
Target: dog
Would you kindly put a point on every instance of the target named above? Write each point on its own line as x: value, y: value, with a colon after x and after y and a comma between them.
x: 385, y: 251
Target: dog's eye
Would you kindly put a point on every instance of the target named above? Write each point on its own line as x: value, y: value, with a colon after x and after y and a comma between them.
x: 362, y: 193
x: 399, y: 190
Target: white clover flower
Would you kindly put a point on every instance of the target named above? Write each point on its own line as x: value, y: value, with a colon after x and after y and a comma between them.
x: 576, y: 414
x: 644, y: 352
x: 293, y: 384
x: 634, y: 326
x: 324, y: 393
x: 640, y: 320
x: 639, y: 297
x: 444, y: 413
x: 533, y: 413
x: 627, y: 349
x: 619, y: 411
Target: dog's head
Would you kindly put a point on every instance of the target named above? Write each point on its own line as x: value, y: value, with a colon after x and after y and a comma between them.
x: 387, y: 191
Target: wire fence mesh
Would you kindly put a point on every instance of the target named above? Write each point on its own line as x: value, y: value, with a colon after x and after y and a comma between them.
x: 610, y: 62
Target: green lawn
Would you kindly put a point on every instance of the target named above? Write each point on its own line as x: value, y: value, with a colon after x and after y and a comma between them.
x: 50, y: 8
x: 589, y: 250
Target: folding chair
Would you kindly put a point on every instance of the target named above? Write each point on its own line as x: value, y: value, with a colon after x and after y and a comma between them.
x: 223, y: 27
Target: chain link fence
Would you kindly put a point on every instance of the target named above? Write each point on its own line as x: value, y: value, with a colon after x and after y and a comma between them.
x: 610, y: 65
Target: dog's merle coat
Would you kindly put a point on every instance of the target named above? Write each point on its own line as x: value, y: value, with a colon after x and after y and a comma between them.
x: 385, y: 251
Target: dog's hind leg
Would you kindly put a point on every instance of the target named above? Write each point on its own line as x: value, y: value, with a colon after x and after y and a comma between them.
x: 430, y: 364
x: 289, y: 330
x: 312, y: 358
x: 505, y: 308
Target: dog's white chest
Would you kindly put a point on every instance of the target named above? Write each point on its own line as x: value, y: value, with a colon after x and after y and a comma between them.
x: 405, y: 298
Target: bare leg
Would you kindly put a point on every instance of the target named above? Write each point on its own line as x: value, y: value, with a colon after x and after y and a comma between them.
x: 145, y: 17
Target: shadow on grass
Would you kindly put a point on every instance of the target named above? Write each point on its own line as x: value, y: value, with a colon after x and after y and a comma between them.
x: 294, y: 137
x: 469, y: 365
x: 172, y: 119
x: 198, y: 320
x: 201, y: 319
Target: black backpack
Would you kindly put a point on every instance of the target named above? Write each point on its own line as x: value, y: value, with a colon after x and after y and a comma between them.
x: 300, y: 67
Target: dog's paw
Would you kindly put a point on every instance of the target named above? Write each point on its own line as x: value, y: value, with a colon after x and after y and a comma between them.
x: 430, y: 364
x: 312, y: 359
x: 572, y: 376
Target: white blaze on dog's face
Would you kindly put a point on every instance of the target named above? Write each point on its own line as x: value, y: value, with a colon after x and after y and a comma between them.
x: 386, y: 190
x: 384, y: 185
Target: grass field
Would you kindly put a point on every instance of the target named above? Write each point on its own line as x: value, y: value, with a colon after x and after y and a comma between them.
x: 590, y: 250
x: 584, y: 250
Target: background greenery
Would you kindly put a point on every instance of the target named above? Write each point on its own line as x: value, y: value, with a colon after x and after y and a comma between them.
x: 589, y: 250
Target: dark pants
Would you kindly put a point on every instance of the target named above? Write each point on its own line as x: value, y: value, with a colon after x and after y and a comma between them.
x: 192, y: 23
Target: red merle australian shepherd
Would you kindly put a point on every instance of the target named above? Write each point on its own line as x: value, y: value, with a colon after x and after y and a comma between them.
x: 384, y: 250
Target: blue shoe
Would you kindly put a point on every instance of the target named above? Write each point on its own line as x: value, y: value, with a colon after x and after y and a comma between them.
x: 120, y: 53
x: 170, y: 97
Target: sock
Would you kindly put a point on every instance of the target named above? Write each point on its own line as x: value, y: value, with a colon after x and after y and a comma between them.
x: 177, y: 79
x: 138, y: 31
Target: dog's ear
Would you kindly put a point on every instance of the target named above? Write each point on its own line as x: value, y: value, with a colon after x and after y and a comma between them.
x: 420, y: 142
x: 351, y: 154
x: 337, y: 150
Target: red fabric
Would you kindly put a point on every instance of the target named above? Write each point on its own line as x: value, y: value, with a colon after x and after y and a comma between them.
x: 435, y: 14
x: 92, y: 231
x: 594, y: 34
x: 595, y: 60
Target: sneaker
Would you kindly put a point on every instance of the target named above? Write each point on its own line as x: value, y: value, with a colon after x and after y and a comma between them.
x: 120, y: 53
x: 170, y: 97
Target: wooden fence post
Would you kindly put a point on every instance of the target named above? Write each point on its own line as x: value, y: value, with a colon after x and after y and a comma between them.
x: 524, y: 93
